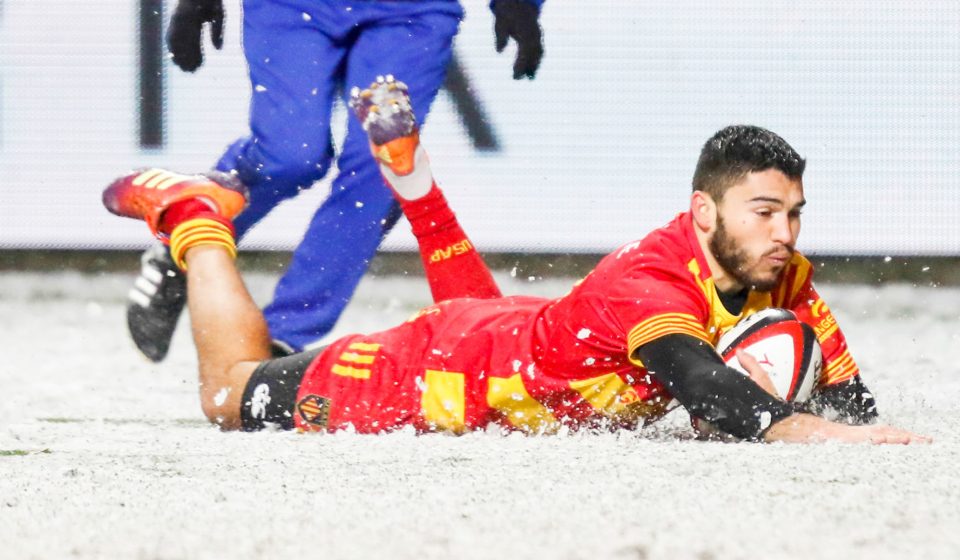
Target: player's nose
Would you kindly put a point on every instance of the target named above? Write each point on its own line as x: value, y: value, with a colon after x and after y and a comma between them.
x: 782, y: 232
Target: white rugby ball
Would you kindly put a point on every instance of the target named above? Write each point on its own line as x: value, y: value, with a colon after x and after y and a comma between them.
x: 786, y: 348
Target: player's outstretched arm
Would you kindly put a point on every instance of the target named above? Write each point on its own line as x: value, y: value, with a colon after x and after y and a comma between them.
x: 747, y: 408
x: 807, y: 428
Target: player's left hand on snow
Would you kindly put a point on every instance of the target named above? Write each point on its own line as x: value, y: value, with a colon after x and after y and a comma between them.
x: 518, y: 19
x: 185, y: 35
x: 807, y: 428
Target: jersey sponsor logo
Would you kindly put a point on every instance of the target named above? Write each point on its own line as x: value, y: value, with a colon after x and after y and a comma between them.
x: 451, y: 251
x: 826, y: 327
x: 314, y: 410
x: 259, y: 401
x: 628, y: 396
x: 616, y: 400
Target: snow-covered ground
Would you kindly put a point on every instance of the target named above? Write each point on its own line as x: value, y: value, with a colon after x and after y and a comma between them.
x: 104, y: 455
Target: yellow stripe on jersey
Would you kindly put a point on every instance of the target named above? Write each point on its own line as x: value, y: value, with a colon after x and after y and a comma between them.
x: 839, y: 369
x: 364, y: 346
x: 357, y: 358
x: 797, y: 272
x: 346, y: 371
x: 801, y: 273
x: 442, y: 401
x: 510, y: 397
x: 661, y: 325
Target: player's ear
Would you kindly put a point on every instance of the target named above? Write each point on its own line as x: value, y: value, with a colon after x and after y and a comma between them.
x: 704, y: 211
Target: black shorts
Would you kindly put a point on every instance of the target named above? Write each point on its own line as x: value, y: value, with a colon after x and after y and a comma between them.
x: 271, y: 392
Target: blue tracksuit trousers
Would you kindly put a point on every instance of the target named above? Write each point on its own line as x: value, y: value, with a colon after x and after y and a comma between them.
x: 301, y: 53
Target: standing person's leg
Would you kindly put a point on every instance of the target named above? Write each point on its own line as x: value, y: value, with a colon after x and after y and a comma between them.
x: 294, y: 63
x: 295, y: 79
x: 328, y: 263
x: 415, y: 29
x: 345, y: 232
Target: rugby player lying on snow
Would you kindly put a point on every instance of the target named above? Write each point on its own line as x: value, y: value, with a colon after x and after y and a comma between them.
x: 638, y: 332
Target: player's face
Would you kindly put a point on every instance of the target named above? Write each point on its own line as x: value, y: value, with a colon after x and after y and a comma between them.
x: 758, y: 222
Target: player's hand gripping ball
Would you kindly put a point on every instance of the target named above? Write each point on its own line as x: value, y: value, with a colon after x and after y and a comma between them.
x: 785, y: 348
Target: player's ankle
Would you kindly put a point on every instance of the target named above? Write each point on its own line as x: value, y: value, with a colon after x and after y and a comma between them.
x: 179, y: 212
x: 202, y: 229
x: 415, y: 184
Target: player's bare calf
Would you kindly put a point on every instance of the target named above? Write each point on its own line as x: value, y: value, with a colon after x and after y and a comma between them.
x: 193, y: 213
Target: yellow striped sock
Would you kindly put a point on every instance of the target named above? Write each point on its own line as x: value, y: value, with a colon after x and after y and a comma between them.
x: 200, y: 231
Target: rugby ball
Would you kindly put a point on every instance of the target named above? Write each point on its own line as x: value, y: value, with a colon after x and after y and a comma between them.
x: 784, y: 346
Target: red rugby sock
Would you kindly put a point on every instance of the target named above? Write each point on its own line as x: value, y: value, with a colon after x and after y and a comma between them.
x: 189, y: 223
x: 454, y: 268
x: 179, y: 212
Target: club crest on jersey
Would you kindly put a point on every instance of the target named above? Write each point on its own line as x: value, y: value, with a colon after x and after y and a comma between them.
x: 314, y: 410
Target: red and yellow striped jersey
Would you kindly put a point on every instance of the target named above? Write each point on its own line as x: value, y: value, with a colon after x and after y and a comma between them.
x: 539, y: 364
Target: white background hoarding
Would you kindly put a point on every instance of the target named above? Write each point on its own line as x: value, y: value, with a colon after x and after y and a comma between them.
x: 596, y: 151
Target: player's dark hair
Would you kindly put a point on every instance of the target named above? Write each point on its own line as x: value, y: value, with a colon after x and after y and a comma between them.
x: 737, y: 150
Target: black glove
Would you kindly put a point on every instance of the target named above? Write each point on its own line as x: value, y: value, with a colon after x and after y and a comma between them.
x: 518, y: 19
x: 185, y: 34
